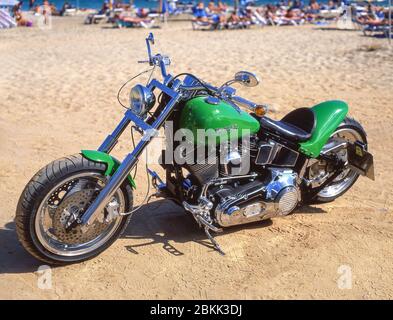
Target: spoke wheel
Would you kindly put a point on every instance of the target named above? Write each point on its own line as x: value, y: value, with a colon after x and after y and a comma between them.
x: 51, y: 220
x: 55, y: 198
x: 351, y: 131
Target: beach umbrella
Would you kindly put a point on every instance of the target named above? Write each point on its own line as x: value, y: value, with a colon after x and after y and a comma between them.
x: 163, y: 9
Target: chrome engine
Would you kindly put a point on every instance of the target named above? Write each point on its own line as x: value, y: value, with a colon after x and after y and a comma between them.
x: 257, y: 200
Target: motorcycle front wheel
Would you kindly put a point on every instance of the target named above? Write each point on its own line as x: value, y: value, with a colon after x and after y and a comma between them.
x: 59, y: 192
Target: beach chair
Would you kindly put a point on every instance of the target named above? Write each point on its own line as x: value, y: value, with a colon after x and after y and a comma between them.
x: 129, y: 22
x: 94, y: 18
x: 258, y: 19
x: 6, y: 21
x: 69, y: 12
x: 205, y: 25
x: 371, y: 30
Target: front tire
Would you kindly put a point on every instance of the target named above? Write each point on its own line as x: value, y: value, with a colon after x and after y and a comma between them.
x: 45, y: 191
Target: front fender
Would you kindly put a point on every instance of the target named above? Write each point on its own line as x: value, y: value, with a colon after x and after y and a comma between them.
x: 112, y: 164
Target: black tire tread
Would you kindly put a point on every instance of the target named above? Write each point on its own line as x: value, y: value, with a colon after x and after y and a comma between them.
x: 38, y: 186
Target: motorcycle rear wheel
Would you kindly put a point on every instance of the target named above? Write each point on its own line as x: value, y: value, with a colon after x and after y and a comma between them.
x: 351, y: 130
x: 46, y: 203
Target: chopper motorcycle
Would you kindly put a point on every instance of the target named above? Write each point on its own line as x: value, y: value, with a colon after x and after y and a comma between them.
x: 77, y: 206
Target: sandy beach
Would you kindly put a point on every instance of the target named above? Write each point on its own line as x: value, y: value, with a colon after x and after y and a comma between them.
x: 58, y: 95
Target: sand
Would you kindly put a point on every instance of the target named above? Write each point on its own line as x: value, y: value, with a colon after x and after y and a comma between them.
x: 58, y: 95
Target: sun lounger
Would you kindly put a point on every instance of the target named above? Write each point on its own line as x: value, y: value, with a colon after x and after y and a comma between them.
x: 282, y: 21
x: 329, y: 14
x: 204, y: 25
x: 94, y: 18
x: 373, y: 29
x: 69, y: 12
x: 127, y: 22
x: 6, y: 21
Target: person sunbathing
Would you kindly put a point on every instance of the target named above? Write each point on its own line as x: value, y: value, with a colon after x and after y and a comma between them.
x: 222, y: 6
x: 215, y: 14
x: 95, y: 17
x: 200, y: 14
x: 329, y: 6
x: 292, y: 16
x: 373, y: 17
x: 137, y: 18
x: 142, y: 12
x: 313, y: 10
x: 271, y: 13
x: 66, y: 6
x: 18, y: 16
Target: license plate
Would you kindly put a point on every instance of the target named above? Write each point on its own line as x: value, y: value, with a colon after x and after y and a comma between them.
x: 360, y: 160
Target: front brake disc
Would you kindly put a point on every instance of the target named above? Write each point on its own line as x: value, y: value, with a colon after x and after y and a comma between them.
x: 73, y: 205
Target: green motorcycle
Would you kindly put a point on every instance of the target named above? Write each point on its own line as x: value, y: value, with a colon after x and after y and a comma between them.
x: 223, y: 165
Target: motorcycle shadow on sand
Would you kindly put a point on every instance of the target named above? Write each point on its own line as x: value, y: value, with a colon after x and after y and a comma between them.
x: 13, y: 258
x: 161, y: 222
x: 164, y: 222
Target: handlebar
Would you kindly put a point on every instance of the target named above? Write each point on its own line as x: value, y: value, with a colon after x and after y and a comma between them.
x: 244, y: 102
x: 228, y: 95
x: 235, y: 99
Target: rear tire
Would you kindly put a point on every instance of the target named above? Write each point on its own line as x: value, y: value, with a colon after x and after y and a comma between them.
x: 36, y: 192
x: 348, y: 125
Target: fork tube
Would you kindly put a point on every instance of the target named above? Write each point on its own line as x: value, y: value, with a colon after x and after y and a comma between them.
x: 114, y: 183
x: 111, y: 139
x: 128, y: 163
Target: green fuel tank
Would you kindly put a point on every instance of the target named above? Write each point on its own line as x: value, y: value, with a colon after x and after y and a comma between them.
x: 216, y: 118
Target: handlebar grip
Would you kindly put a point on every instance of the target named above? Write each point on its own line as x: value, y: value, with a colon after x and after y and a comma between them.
x: 244, y: 102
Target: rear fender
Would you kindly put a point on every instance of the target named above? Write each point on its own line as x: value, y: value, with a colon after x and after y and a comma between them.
x: 329, y: 115
x: 112, y: 164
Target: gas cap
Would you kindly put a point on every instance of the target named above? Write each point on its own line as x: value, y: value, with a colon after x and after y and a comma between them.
x: 212, y: 100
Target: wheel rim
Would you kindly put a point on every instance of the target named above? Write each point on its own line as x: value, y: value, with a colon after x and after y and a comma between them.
x: 47, y: 226
x: 348, y: 176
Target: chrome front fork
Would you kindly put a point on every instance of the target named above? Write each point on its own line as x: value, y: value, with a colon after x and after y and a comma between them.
x: 130, y: 160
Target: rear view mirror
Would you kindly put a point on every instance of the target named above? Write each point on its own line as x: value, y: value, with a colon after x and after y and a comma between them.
x: 246, y: 78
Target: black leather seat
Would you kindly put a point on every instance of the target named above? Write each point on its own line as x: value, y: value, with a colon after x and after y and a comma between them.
x: 296, y: 126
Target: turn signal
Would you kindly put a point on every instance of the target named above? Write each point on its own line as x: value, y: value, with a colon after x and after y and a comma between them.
x: 260, y: 110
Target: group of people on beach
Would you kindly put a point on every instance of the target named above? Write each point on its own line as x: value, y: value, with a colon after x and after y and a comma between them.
x: 214, y: 15
x: 44, y: 9
x: 284, y: 12
x: 375, y: 16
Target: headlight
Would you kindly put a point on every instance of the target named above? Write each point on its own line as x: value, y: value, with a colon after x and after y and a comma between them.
x: 141, y: 99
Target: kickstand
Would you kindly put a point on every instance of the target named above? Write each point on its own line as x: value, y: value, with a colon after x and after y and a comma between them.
x: 214, y: 242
